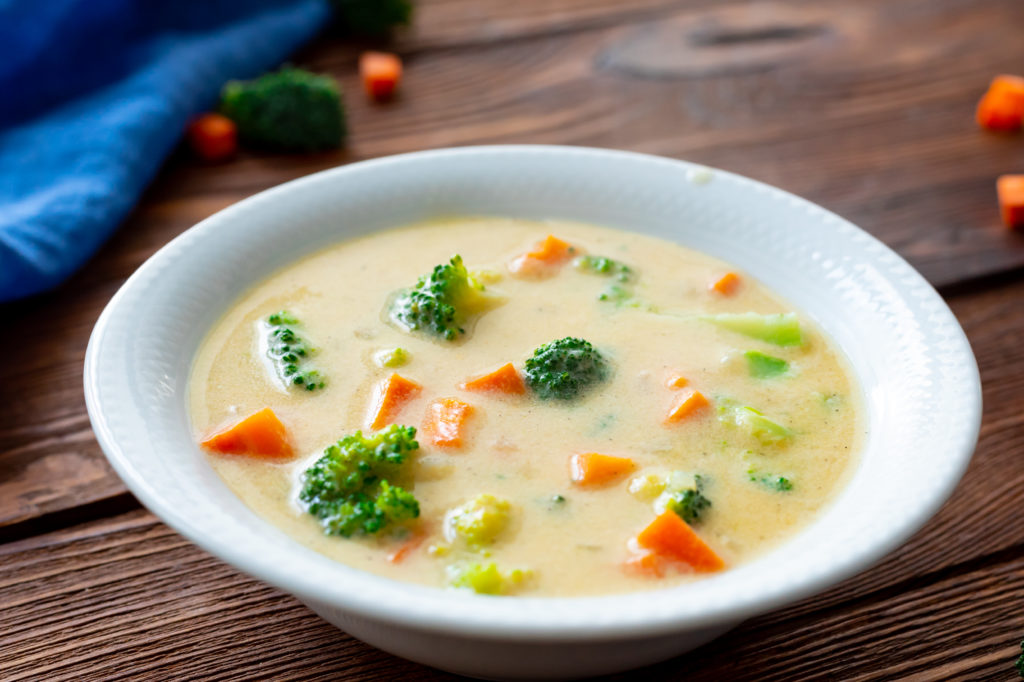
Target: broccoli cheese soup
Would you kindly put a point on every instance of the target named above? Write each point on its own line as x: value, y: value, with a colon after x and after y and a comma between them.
x: 525, y: 408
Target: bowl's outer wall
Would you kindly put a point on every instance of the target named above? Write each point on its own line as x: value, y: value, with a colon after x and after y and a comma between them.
x: 492, y: 659
x: 916, y: 369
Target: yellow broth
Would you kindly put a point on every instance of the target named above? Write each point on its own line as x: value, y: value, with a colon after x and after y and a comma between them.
x: 518, y: 447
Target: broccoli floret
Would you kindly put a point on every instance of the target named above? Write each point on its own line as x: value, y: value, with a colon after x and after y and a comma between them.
x: 289, y: 110
x: 778, y: 483
x: 392, y: 357
x: 371, y: 18
x: 690, y: 503
x: 347, y: 488
x: 619, y: 291
x: 441, y: 302
x: 479, y: 521
x: 564, y: 369
x: 1019, y: 664
x: 646, y: 487
x: 290, y: 352
x: 782, y: 329
x: 601, y: 265
x: 754, y: 422
x: 486, y: 578
x: 764, y: 366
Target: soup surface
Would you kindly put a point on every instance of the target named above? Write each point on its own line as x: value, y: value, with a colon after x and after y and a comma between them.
x: 730, y: 423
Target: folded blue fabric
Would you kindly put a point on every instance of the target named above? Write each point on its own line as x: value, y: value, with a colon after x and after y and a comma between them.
x: 96, y: 93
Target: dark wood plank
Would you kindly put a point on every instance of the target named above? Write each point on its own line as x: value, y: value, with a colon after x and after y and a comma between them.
x: 126, y: 598
x: 835, y: 101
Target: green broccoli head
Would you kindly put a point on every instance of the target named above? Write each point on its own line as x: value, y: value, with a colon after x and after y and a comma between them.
x: 690, y: 503
x: 564, y: 369
x: 290, y: 353
x: 396, y: 504
x: 371, y: 18
x: 347, y: 488
x: 441, y: 302
x: 1019, y: 664
x: 290, y: 109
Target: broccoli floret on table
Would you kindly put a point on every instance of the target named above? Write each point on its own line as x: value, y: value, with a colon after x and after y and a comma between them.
x: 290, y: 110
x: 564, y: 369
x: 347, y: 489
x: 371, y: 18
x: 442, y: 302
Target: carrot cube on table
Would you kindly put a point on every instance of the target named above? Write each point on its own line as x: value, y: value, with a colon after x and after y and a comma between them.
x: 1011, y: 200
x: 1002, y: 107
x: 381, y: 73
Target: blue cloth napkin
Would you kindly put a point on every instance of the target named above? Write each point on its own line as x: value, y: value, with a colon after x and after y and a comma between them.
x: 93, y: 96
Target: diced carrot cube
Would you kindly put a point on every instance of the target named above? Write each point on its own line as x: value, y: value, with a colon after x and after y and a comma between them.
x: 381, y: 72
x: 261, y: 434
x: 543, y: 258
x: 671, y: 537
x: 213, y: 137
x: 505, y: 379
x: 1002, y: 107
x: 676, y: 381
x: 593, y: 469
x: 388, y: 398
x: 689, y: 403
x: 445, y: 420
x: 1011, y: 200
x: 726, y: 284
x: 1008, y: 83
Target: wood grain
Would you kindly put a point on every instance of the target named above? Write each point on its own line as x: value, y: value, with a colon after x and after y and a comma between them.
x: 129, y: 595
x: 126, y: 598
x: 864, y: 107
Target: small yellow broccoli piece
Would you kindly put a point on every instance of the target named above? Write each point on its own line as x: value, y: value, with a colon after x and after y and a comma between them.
x: 391, y: 357
x: 646, y: 487
x: 487, y: 578
x: 478, y: 521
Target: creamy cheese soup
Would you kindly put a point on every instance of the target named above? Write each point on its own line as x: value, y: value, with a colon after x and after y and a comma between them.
x: 691, y: 421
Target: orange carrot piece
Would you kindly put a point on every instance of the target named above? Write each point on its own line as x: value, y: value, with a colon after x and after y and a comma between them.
x: 261, y: 434
x: 1008, y: 82
x: 1002, y: 107
x: 213, y: 137
x: 445, y: 420
x: 645, y: 563
x: 388, y: 398
x: 593, y: 469
x: 380, y: 72
x: 671, y: 537
x: 676, y: 381
x: 505, y: 379
x: 402, y: 552
x: 726, y: 284
x: 543, y: 258
x: 688, y: 403
x: 1011, y: 200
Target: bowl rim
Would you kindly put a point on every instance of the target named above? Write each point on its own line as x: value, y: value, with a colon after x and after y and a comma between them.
x: 527, y: 618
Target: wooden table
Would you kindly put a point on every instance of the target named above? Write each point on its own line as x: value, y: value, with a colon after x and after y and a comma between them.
x: 865, y: 107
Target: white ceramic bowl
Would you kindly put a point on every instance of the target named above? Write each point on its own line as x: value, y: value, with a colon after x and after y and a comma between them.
x: 920, y: 379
